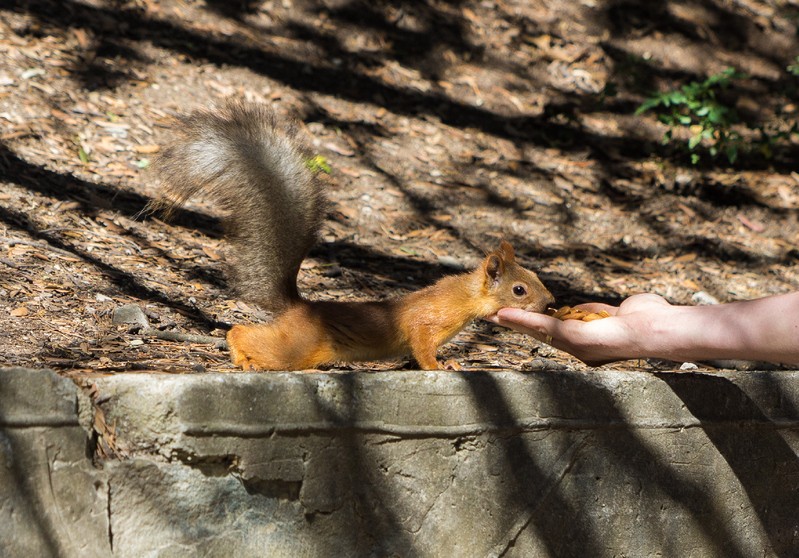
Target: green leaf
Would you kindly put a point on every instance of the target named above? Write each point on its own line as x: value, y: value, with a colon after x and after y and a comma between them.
x: 318, y: 164
x: 649, y: 104
x: 718, y: 114
x: 732, y: 153
x: 696, y: 105
x: 82, y: 155
x: 677, y: 97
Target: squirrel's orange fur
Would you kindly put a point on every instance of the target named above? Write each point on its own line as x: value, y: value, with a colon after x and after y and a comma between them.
x: 250, y: 163
x: 312, y: 333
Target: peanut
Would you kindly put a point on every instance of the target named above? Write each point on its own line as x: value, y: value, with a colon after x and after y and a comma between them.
x: 569, y: 313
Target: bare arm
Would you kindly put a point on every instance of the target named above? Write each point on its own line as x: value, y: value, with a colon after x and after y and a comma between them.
x: 646, y: 326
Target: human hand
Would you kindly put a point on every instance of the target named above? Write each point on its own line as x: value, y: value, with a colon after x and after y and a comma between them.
x: 622, y: 336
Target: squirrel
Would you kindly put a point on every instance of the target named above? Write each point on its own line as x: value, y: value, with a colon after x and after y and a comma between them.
x: 251, y: 163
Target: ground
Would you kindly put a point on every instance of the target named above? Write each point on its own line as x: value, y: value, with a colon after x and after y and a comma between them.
x: 447, y: 127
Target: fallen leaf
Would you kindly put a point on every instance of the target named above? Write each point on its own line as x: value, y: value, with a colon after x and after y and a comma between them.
x: 82, y: 37
x: 19, y: 312
x: 690, y: 284
x: 147, y: 149
x: 213, y: 254
x: 752, y: 225
x: 340, y: 150
x: 691, y: 256
x: 66, y: 206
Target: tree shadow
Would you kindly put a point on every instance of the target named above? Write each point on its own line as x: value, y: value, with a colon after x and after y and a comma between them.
x: 373, y: 502
x: 409, y: 26
x: 718, y: 403
x: 234, y: 9
x: 754, y: 450
x: 126, y: 282
x: 418, y: 35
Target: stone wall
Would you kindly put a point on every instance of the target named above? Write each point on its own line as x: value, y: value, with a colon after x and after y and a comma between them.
x: 401, y: 464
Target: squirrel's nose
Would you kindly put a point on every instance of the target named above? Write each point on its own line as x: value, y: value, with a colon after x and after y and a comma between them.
x: 542, y: 304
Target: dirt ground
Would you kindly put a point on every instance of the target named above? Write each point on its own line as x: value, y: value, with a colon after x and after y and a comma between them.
x: 448, y: 125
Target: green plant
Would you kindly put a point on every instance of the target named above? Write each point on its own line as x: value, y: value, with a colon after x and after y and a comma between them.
x: 697, y: 108
x: 318, y: 164
x: 794, y: 68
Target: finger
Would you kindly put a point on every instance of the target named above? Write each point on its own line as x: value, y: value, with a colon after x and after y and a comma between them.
x: 521, y: 322
x: 540, y: 335
x: 531, y: 320
x: 539, y: 326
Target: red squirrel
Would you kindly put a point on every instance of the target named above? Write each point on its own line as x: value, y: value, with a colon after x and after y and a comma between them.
x: 250, y: 163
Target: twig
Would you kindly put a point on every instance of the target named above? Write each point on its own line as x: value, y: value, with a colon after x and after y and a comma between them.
x: 218, y: 342
x: 14, y: 242
x: 9, y: 263
x: 104, y: 236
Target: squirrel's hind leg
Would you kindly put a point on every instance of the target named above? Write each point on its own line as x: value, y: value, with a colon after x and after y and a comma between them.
x: 272, y: 347
x: 259, y: 347
x: 245, y: 344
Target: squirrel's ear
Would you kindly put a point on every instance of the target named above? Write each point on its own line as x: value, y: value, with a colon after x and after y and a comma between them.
x: 505, y: 251
x: 493, y: 267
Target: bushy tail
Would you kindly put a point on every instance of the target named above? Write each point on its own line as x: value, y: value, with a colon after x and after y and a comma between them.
x: 248, y: 161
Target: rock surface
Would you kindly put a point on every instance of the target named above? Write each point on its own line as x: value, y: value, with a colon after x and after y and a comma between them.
x: 53, y: 501
x: 403, y: 464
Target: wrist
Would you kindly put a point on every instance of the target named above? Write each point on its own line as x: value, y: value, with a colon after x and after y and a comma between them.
x: 698, y: 333
x: 671, y: 335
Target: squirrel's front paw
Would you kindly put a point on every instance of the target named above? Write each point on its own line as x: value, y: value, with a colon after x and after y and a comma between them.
x: 452, y: 364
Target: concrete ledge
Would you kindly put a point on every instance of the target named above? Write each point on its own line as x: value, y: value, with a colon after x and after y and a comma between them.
x: 435, y: 463
x: 53, y: 501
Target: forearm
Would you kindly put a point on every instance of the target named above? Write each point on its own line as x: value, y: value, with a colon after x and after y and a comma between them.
x: 763, y: 329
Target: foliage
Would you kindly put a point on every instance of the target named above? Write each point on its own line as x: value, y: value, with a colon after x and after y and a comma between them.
x: 794, y: 68
x: 696, y: 106
x: 318, y: 164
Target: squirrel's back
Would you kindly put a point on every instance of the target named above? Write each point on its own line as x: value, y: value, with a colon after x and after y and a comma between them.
x: 249, y: 161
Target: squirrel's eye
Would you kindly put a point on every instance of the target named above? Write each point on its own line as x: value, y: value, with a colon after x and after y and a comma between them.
x: 519, y: 290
